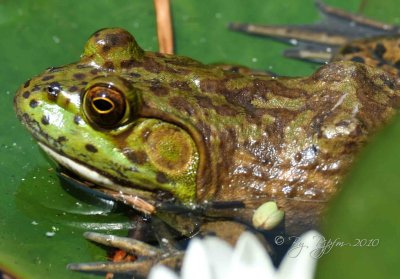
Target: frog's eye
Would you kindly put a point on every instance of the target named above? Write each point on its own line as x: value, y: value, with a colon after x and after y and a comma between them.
x: 104, y: 105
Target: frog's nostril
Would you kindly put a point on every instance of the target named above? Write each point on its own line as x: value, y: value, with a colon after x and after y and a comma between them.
x: 53, y: 92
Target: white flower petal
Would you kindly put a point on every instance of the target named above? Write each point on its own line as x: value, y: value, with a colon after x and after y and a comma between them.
x: 162, y: 272
x: 219, y: 254
x: 301, y: 258
x: 250, y: 259
x: 196, y: 264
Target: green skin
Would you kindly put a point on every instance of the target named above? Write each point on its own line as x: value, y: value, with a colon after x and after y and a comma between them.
x: 192, y: 133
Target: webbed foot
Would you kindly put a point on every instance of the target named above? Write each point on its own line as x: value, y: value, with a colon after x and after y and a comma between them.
x: 148, y: 256
x: 319, y: 42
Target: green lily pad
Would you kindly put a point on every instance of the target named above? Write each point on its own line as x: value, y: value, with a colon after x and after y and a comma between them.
x: 40, y: 224
x: 362, y: 224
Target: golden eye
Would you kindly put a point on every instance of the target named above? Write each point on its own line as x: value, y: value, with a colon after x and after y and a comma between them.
x: 104, y: 105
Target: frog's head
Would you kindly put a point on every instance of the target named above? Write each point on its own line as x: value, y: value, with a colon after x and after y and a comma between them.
x: 103, y: 118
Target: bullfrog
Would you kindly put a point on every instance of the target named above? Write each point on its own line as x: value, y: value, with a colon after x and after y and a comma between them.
x: 202, y: 147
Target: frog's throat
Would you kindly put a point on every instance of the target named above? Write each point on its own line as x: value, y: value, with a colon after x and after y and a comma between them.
x: 136, y: 200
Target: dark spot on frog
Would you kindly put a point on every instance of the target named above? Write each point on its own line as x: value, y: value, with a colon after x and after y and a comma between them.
x: 135, y: 75
x: 91, y: 148
x: 137, y: 157
x: 94, y: 71
x: 181, y: 104
x: 388, y: 81
x: 152, y: 66
x: 204, y: 102
x: 45, y: 120
x: 77, y: 119
x: 177, y: 70
x: 26, y: 94
x: 73, y: 88
x: 33, y: 103
x: 46, y: 78
x: 158, y: 89
x: 275, y: 87
x: 67, y: 101
x: 109, y: 65
x: 358, y: 59
x: 181, y: 85
x: 225, y: 110
x: 165, y: 196
x: 26, y: 84
x: 79, y: 76
x: 119, y: 39
x: 36, y: 88
x: 350, y: 49
x: 210, y: 85
x: 61, y: 139
x: 127, y: 63
x: 106, y: 48
x: 84, y: 82
x: 379, y: 50
x: 161, y: 178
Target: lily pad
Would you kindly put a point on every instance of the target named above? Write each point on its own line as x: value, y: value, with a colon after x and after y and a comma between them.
x: 41, y: 225
x: 362, y: 227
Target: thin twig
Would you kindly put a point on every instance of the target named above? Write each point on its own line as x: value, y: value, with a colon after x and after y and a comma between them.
x: 164, y: 26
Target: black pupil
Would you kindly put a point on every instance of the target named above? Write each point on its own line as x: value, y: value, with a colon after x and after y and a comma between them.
x: 102, y: 104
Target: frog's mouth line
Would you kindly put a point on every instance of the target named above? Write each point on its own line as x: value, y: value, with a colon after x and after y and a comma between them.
x: 107, y: 186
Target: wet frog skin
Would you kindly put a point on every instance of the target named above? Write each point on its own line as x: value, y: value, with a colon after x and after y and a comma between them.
x: 165, y: 128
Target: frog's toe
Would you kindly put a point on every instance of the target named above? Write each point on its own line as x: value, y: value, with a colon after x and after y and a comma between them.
x: 147, y: 256
x: 140, y: 267
x: 127, y: 244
